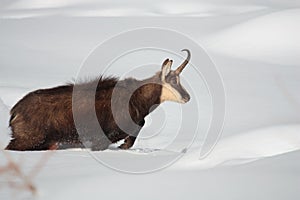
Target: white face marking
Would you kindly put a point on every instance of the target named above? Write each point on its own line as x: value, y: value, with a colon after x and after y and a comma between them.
x: 168, y: 93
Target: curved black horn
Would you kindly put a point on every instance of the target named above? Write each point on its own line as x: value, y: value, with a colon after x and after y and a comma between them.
x: 182, y: 66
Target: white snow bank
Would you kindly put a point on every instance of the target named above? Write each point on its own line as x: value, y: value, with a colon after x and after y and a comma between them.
x: 4, y: 130
x: 246, y: 147
x: 92, y: 8
x: 273, y: 38
x: 10, y: 95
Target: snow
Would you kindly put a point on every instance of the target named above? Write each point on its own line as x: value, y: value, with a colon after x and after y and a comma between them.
x: 4, y: 116
x: 255, y: 46
x: 248, y: 147
x: 269, y: 38
x: 91, y: 8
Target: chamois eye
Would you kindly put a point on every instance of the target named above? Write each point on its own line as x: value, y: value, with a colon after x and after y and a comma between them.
x: 173, y: 81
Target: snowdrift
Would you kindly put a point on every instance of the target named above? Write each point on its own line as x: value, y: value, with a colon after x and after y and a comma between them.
x: 248, y: 147
x: 272, y: 38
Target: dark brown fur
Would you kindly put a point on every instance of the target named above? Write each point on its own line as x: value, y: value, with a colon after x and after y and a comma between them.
x: 43, y: 119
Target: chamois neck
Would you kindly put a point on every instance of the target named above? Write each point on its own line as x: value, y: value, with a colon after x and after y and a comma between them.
x: 149, y: 93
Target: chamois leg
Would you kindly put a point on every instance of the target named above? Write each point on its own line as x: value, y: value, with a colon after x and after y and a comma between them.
x: 16, y: 145
x: 19, y: 145
x: 99, y: 141
x: 100, y: 146
x: 129, y: 141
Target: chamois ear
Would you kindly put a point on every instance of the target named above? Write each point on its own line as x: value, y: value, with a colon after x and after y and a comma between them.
x: 166, y: 68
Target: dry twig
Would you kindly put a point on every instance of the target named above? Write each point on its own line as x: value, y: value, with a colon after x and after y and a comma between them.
x: 16, y: 177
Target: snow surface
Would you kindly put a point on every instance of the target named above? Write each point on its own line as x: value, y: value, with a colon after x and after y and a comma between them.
x: 254, y: 44
x: 269, y: 38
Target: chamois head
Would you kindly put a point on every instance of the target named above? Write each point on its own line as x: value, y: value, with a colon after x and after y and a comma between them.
x: 172, y: 90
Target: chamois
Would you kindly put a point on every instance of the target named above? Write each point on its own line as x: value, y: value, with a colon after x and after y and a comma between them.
x: 44, y: 119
